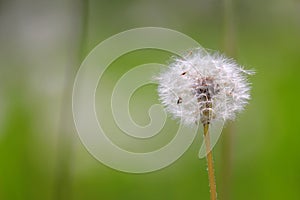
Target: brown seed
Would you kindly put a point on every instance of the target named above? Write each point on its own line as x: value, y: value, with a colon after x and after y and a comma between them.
x: 179, y: 100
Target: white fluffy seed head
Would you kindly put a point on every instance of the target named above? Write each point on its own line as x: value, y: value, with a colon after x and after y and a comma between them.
x: 203, y: 87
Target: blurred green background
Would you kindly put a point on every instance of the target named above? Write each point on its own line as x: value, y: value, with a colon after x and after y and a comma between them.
x: 42, y: 46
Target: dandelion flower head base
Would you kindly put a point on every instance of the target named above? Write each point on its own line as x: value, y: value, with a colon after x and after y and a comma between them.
x: 205, y: 89
x: 202, y: 87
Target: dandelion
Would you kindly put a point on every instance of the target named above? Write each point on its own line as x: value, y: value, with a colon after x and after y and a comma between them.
x: 203, y: 87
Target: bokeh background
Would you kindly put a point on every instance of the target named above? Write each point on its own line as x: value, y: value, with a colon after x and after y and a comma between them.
x: 42, y: 45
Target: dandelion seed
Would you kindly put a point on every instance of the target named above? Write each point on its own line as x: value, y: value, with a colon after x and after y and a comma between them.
x: 206, y: 86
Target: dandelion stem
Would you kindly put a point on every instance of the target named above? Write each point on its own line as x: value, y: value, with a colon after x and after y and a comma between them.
x: 210, y: 165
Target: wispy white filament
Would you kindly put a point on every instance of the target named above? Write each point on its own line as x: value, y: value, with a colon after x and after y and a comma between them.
x: 201, y: 83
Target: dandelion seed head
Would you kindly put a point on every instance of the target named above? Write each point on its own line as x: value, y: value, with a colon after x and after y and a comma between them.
x: 203, y: 86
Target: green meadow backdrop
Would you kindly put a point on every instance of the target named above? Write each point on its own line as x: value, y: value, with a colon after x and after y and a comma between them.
x: 42, y: 46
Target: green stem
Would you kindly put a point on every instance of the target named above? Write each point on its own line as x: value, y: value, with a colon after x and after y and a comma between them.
x: 65, y: 143
x: 230, y: 50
